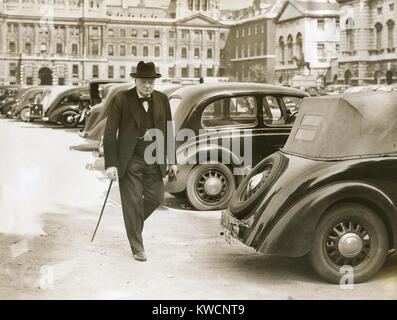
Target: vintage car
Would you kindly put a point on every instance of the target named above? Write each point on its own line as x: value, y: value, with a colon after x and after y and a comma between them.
x: 38, y: 110
x: 330, y: 193
x: 67, y: 106
x: 96, y: 122
x: 334, y: 89
x: 20, y: 110
x: 8, y: 102
x: 96, y: 87
x: 8, y: 91
x: 218, y: 114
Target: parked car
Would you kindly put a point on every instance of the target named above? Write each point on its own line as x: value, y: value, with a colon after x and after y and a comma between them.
x: 20, y: 109
x: 96, y: 86
x: 38, y: 111
x: 333, y: 89
x: 67, y: 106
x: 8, y: 91
x: 330, y: 193
x: 7, y: 103
x: 96, y: 122
x: 262, y: 113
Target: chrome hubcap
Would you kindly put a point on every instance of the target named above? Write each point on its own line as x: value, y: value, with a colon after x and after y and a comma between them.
x: 213, y: 186
x: 70, y: 119
x: 350, y: 245
x: 347, y: 243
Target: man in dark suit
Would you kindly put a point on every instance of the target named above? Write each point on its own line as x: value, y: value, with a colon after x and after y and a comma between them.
x: 133, y: 116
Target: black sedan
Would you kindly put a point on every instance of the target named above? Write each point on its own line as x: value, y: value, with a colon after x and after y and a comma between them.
x: 331, y: 192
x: 226, y: 121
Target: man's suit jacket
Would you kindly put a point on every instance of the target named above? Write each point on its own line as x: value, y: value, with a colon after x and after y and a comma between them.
x: 121, y: 131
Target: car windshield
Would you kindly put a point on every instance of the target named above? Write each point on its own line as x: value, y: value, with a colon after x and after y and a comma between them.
x: 364, y: 121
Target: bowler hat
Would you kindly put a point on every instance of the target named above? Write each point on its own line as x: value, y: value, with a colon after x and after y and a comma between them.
x: 145, y: 70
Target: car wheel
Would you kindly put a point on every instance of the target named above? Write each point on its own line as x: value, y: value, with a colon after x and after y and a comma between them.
x: 179, y: 195
x: 69, y: 119
x: 25, y: 114
x: 210, y: 187
x: 256, y: 184
x: 349, y: 236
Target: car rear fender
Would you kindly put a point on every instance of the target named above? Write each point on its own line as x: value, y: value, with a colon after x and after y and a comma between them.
x: 292, y: 235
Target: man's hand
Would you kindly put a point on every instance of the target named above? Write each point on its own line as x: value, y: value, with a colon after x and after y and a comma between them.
x: 111, y: 172
x: 173, y: 170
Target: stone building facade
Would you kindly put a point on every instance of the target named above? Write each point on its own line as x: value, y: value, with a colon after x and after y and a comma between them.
x: 368, y: 42
x: 307, y: 39
x: 74, y: 41
x: 250, y: 50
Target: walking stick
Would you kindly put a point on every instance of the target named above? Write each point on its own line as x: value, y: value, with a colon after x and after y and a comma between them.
x: 103, y: 207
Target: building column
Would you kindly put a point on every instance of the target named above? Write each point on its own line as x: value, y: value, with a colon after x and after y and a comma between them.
x: 20, y: 37
x: 191, y: 66
x: 67, y: 41
x: 103, y: 41
x: 3, y: 35
x: 51, y: 36
x: 217, y: 53
x: 36, y: 48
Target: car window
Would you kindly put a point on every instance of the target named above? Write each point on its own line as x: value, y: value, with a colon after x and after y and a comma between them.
x: 234, y: 111
x: 272, y: 111
x: 292, y: 104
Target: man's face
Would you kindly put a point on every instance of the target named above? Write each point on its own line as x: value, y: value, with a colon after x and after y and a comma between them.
x: 145, y: 86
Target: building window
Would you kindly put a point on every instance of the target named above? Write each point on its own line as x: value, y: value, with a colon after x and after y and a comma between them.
x: 95, y: 49
x: 337, y: 48
x: 61, y: 81
x: 110, y: 72
x: 237, y: 55
x: 59, y: 48
x: 122, y: 72
x: 43, y: 48
x: 122, y: 33
x: 95, y: 71
x: 157, y: 51
x: 184, y: 52
x: 134, y: 34
x: 197, y: 5
x: 171, y: 72
x: 252, y: 51
x: 75, y: 70
x: 29, y: 81
x: 391, y: 6
x: 122, y: 50
x: 222, y: 36
x: 196, y: 53
x: 157, y: 34
x: 237, y: 33
x: 11, y: 47
x: 320, y: 51
x: 145, y: 34
x: 185, y: 73
x: 197, y: 35
x: 337, y: 22
x: 75, y: 49
x: 210, y: 35
x: 145, y: 51
x: 171, y: 34
x: 210, y: 72
x: 290, y: 48
x: 299, y: 45
x: 110, y: 50
x: 282, y: 49
x: 379, y: 10
x: 320, y: 24
x: 209, y: 53
x: 13, y: 69
x: 133, y: 50
x: 190, y: 4
x: 350, y: 34
x: 185, y: 35
x: 390, y: 34
x: 171, y: 51
x: 28, y: 48
x: 197, y: 72
x: 110, y: 32
x: 378, y: 30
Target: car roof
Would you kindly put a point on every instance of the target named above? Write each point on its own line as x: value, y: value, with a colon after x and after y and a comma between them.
x: 193, y: 94
x: 364, y: 121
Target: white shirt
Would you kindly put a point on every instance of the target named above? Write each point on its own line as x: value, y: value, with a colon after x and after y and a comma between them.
x: 144, y: 103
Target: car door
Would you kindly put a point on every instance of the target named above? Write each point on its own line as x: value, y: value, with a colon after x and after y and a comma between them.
x: 277, y: 114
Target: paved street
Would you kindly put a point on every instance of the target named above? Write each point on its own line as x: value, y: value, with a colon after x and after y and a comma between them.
x: 50, y: 199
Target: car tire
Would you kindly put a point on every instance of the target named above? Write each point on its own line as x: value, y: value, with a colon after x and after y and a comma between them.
x: 25, y: 114
x: 179, y: 195
x: 69, y: 120
x: 244, y: 200
x: 210, y: 187
x: 349, y: 236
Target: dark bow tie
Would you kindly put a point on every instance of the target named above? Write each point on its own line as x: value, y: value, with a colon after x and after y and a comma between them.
x: 145, y: 99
